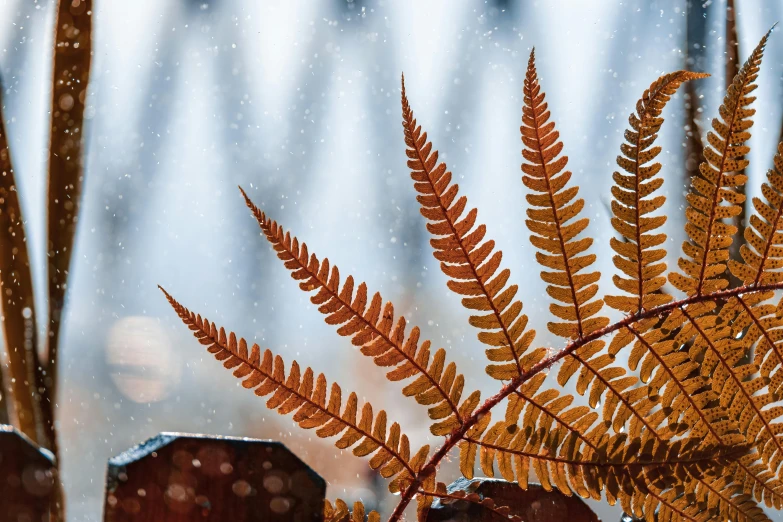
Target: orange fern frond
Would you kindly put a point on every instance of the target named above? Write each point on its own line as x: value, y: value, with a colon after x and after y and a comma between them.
x: 568, y: 448
x: 550, y: 219
x: 374, y: 330
x: 752, y: 318
x: 555, y: 235
x: 741, y: 391
x: 706, y: 254
x: 340, y: 512
x: 710, y: 498
x: 758, y: 324
x: 637, y: 257
x: 305, y: 395
x: 674, y: 383
x: 763, y: 251
x: 470, y: 262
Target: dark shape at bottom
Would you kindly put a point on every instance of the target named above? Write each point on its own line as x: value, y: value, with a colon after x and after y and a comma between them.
x: 27, y: 478
x: 533, y: 504
x: 187, y: 478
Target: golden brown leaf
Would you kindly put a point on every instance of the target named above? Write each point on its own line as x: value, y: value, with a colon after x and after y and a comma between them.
x: 639, y: 257
x: 372, y: 327
x: 471, y: 262
x: 306, y: 396
x: 705, y: 255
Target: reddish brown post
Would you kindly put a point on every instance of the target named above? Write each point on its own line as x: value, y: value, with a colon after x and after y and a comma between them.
x: 188, y: 478
x: 27, y: 476
x: 533, y: 504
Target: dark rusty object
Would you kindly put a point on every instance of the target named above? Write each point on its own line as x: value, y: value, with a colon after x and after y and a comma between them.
x: 71, y: 72
x: 27, y: 478
x: 187, y: 478
x: 534, y: 504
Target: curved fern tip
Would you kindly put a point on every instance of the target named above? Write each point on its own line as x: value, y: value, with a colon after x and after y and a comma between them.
x: 248, y: 201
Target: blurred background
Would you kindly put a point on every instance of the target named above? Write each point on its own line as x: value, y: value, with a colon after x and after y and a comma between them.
x: 299, y: 103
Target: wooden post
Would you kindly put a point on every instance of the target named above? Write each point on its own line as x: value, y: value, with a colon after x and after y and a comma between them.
x: 187, y: 478
x: 27, y: 478
x: 533, y: 504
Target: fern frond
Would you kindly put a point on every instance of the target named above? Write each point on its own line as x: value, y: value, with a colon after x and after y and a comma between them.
x: 566, y: 447
x: 706, y: 499
x: 470, y: 262
x: 555, y: 234
x: 753, y: 319
x: 756, y: 479
x: 674, y: 383
x: 742, y: 392
x: 340, y: 512
x: 757, y: 323
x: 637, y: 257
x: 463, y: 260
x: 763, y: 251
x: 373, y: 329
x: 706, y: 254
x: 550, y: 219
x: 305, y: 395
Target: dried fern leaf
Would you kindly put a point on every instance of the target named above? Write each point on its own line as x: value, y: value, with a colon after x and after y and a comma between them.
x: 741, y: 391
x: 340, y: 512
x: 706, y: 253
x: 550, y: 219
x: 706, y: 499
x: 673, y: 381
x: 567, y: 448
x: 753, y: 318
x: 372, y: 327
x: 471, y: 263
x: 756, y: 480
x: 16, y: 287
x: 762, y: 252
x: 586, y: 459
x: 305, y: 395
x: 555, y: 234
x: 754, y: 327
x: 638, y: 257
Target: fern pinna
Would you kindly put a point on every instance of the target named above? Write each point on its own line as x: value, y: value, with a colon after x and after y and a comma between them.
x: 689, y: 429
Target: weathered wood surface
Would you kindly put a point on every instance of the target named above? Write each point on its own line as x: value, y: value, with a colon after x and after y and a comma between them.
x: 534, y: 504
x: 187, y: 478
x: 27, y: 478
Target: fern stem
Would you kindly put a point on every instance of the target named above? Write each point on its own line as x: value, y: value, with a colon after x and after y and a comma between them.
x: 459, y: 433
